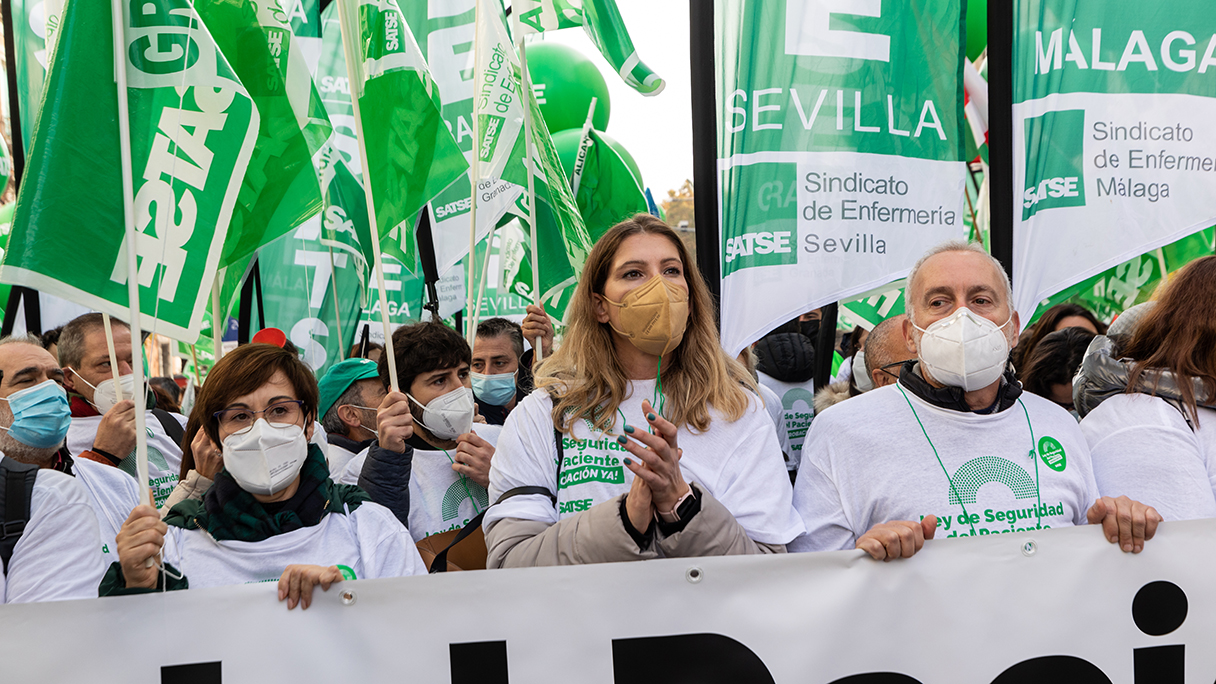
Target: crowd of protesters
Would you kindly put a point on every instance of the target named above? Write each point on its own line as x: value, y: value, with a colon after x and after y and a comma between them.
x: 634, y: 437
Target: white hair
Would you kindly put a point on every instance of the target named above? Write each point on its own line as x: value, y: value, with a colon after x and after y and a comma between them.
x: 955, y: 246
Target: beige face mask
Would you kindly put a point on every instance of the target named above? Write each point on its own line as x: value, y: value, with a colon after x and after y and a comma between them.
x: 654, y: 316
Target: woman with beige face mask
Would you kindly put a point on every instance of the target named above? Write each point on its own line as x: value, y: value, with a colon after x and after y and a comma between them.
x: 644, y: 440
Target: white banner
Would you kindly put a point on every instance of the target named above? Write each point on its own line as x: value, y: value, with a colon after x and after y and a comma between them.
x: 1049, y: 606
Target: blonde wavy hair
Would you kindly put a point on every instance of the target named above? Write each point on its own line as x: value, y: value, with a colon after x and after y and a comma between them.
x: 586, y: 378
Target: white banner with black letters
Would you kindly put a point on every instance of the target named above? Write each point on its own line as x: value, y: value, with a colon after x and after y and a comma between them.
x: 1051, y: 606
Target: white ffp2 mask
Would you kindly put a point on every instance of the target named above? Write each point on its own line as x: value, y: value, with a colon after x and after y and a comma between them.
x: 267, y: 458
x: 964, y: 350
x: 448, y: 416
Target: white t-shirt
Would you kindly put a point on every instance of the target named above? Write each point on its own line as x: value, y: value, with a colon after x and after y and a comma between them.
x: 1142, y: 447
x: 867, y: 462
x: 798, y: 406
x: 772, y: 404
x: 164, y: 455
x: 441, y: 500
x: 56, y: 557
x: 113, y: 494
x: 737, y: 463
x: 368, y: 543
x: 338, y: 458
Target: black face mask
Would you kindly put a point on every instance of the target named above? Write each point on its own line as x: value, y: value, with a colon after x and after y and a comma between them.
x: 810, y: 329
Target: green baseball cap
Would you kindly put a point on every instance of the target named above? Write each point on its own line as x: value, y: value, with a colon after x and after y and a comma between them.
x: 340, y: 377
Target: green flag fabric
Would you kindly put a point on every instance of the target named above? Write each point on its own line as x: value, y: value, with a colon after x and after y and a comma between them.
x: 280, y: 189
x: 35, y: 29
x: 602, y: 21
x: 562, y: 239
x: 193, y: 126
x: 606, y: 190
x: 411, y: 156
x: 299, y: 275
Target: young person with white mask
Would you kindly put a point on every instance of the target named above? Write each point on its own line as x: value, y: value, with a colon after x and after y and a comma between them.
x: 58, y: 553
x: 434, y: 416
x: 103, y: 429
x: 644, y: 439
x: 273, y: 512
x: 961, y: 447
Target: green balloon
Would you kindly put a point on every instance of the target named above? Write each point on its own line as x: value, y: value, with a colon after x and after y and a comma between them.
x: 567, y: 142
x: 977, y: 28
x: 565, y: 81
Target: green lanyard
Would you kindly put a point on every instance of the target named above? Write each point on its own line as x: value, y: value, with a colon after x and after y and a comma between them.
x: 1038, y: 510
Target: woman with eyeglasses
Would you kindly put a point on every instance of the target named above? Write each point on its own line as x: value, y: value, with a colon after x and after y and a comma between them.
x: 272, y: 513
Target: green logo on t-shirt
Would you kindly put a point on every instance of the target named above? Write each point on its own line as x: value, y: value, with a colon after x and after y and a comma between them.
x: 1052, y: 454
x: 348, y: 573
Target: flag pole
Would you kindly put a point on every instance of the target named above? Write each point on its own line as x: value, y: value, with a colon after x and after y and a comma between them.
x: 105, y: 321
x: 580, y: 161
x: 333, y: 286
x: 526, y: 87
x: 128, y: 212
x: 217, y: 331
x: 481, y: 290
x: 356, y: 89
x: 471, y: 330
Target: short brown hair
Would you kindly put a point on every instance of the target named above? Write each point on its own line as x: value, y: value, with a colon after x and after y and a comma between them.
x: 244, y: 370
x: 424, y: 347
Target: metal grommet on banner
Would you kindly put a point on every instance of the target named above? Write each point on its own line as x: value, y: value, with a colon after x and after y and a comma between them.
x: 694, y: 575
x: 1029, y: 548
x: 348, y: 598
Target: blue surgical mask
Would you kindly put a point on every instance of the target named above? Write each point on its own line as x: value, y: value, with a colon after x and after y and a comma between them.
x: 41, y: 415
x: 497, y: 390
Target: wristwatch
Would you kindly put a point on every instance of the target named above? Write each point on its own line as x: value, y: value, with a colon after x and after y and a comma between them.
x: 679, y: 511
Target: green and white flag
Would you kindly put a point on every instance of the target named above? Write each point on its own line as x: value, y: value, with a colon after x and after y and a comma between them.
x: 604, y: 186
x: 1114, y: 136
x: 840, y: 150
x: 35, y: 30
x: 1132, y: 282
x: 411, y: 156
x: 601, y: 19
x: 280, y: 190
x: 299, y: 276
x: 193, y: 126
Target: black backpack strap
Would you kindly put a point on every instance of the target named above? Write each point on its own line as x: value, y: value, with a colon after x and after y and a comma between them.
x: 440, y: 563
x: 521, y: 491
x: 17, y: 488
x: 173, y: 429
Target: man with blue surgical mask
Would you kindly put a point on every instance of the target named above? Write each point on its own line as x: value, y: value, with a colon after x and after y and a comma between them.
x: 501, y: 369
x: 962, y: 450
x: 62, y: 552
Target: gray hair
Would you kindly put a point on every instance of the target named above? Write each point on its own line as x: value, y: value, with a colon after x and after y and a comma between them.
x: 879, y: 342
x: 491, y: 328
x: 22, y: 339
x: 331, y: 421
x: 954, y: 246
x: 71, y: 340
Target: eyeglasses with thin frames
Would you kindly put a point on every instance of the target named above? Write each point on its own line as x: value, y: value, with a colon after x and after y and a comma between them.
x: 235, y: 421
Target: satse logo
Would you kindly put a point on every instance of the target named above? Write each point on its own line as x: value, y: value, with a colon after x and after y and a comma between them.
x: 1055, y: 176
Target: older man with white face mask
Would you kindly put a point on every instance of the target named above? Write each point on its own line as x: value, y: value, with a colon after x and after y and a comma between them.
x: 961, y: 450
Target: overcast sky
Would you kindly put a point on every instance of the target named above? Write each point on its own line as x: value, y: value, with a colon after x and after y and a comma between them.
x: 657, y: 130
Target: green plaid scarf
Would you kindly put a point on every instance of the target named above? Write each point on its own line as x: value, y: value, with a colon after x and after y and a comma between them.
x: 229, y: 512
